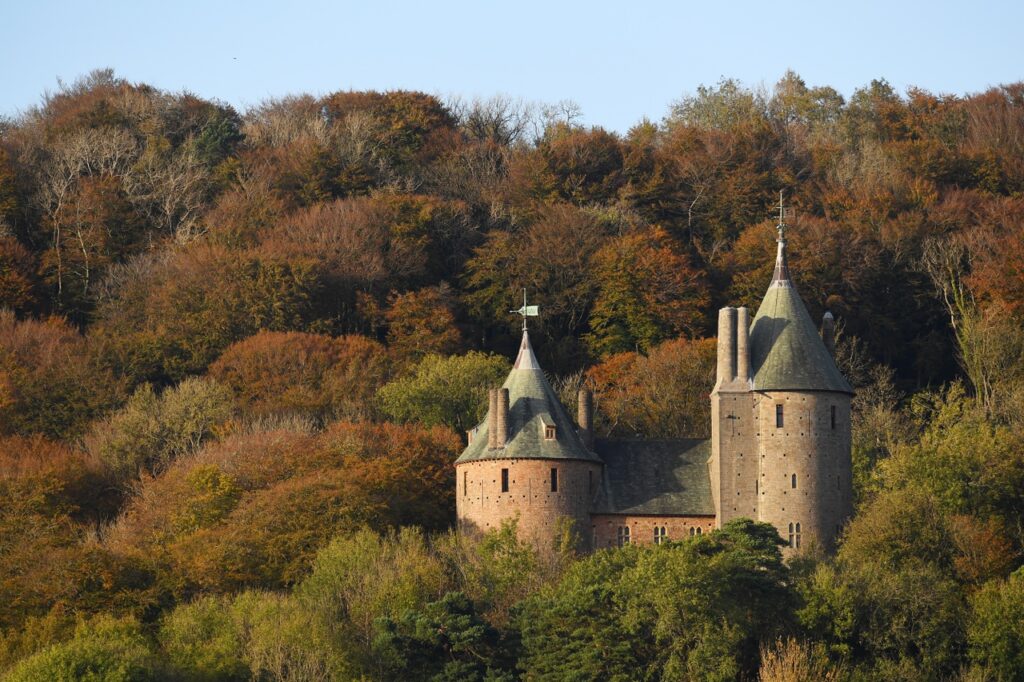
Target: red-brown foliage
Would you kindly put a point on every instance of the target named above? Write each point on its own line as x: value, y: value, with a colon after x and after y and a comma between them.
x: 310, y: 374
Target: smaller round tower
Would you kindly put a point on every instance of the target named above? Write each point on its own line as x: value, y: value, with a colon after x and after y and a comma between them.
x: 526, y: 461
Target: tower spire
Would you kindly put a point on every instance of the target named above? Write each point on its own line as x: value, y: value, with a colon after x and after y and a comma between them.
x: 781, y: 275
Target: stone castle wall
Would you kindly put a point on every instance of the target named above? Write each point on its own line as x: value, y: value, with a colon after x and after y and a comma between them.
x: 809, y: 447
x: 605, y: 528
x: 734, y: 455
x: 482, y: 506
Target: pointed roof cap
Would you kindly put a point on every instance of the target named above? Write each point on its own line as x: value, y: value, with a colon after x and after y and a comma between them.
x: 533, y: 405
x: 786, y: 351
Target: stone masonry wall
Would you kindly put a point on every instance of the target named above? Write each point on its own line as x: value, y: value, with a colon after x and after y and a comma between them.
x: 818, y: 454
x: 605, y: 528
x: 734, y: 454
x: 481, y: 505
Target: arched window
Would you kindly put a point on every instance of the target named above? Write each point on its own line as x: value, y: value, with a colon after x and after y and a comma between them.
x: 700, y: 531
x: 622, y: 535
x: 798, y: 536
x: 791, y: 535
x: 660, y: 535
x: 793, y: 482
x: 693, y: 531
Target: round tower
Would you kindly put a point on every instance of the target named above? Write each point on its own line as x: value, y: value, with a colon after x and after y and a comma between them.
x: 801, y: 405
x: 526, y: 461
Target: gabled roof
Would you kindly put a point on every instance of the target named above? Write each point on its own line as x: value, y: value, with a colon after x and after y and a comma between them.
x: 656, y: 477
x: 532, y: 405
x: 786, y: 351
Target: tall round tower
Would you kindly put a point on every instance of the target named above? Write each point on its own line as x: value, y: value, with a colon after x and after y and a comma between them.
x: 781, y: 419
x: 526, y: 461
x: 803, y: 419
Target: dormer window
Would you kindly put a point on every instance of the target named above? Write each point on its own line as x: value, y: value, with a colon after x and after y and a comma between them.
x: 549, y: 432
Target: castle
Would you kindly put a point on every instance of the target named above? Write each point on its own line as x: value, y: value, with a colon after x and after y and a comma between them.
x: 779, y: 450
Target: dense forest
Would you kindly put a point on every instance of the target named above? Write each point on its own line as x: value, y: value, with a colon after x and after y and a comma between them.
x: 239, y: 353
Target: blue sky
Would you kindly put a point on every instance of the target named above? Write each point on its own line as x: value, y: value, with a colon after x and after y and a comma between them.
x: 619, y: 61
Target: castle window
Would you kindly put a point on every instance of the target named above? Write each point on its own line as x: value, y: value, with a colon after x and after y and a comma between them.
x: 504, y: 480
x: 791, y: 535
x: 465, y: 483
x: 798, y: 535
x: 700, y: 531
x: 554, y: 479
x: 793, y: 482
x: 839, y: 485
x: 833, y: 417
x: 549, y: 432
x: 693, y: 531
x: 590, y: 482
x: 660, y: 535
x: 778, y: 416
x: 622, y: 535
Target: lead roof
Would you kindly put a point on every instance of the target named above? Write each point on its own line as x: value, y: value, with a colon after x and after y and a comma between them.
x: 786, y: 351
x: 533, y: 405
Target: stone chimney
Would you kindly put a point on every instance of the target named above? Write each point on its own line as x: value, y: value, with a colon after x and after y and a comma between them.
x: 585, y: 416
x: 742, y: 345
x: 501, y: 421
x: 828, y: 332
x: 726, y: 346
x: 492, y: 419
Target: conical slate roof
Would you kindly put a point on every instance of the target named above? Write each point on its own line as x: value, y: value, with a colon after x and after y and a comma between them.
x: 786, y: 352
x: 533, y: 405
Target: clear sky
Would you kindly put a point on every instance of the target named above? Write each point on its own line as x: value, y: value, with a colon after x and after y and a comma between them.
x: 619, y: 61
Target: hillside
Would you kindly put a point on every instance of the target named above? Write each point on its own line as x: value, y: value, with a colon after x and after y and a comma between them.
x: 239, y: 353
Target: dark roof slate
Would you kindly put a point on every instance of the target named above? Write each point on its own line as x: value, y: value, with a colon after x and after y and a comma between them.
x: 655, y: 477
x: 532, y: 405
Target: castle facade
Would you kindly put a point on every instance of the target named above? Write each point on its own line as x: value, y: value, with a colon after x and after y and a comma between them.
x: 779, y: 450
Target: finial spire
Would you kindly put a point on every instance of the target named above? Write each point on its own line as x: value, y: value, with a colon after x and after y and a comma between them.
x: 782, y: 219
x: 527, y: 310
x: 781, y: 276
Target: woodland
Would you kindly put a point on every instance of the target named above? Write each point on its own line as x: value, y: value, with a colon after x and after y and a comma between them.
x: 239, y: 353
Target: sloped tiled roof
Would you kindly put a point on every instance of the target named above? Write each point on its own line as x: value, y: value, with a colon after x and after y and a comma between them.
x: 786, y: 351
x: 656, y: 477
x: 532, y: 405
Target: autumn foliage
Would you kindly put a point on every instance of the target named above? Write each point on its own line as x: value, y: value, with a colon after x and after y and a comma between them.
x: 238, y: 351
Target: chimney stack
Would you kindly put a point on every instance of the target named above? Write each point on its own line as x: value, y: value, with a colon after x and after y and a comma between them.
x: 726, y: 345
x: 828, y: 332
x: 492, y: 419
x: 501, y: 422
x: 585, y: 417
x: 742, y: 345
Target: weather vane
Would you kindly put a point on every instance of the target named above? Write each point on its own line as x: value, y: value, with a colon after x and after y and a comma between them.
x: 527, y: 310
x: 782, y: 219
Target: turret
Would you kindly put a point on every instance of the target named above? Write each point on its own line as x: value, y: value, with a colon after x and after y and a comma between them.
x: 534, y: 466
